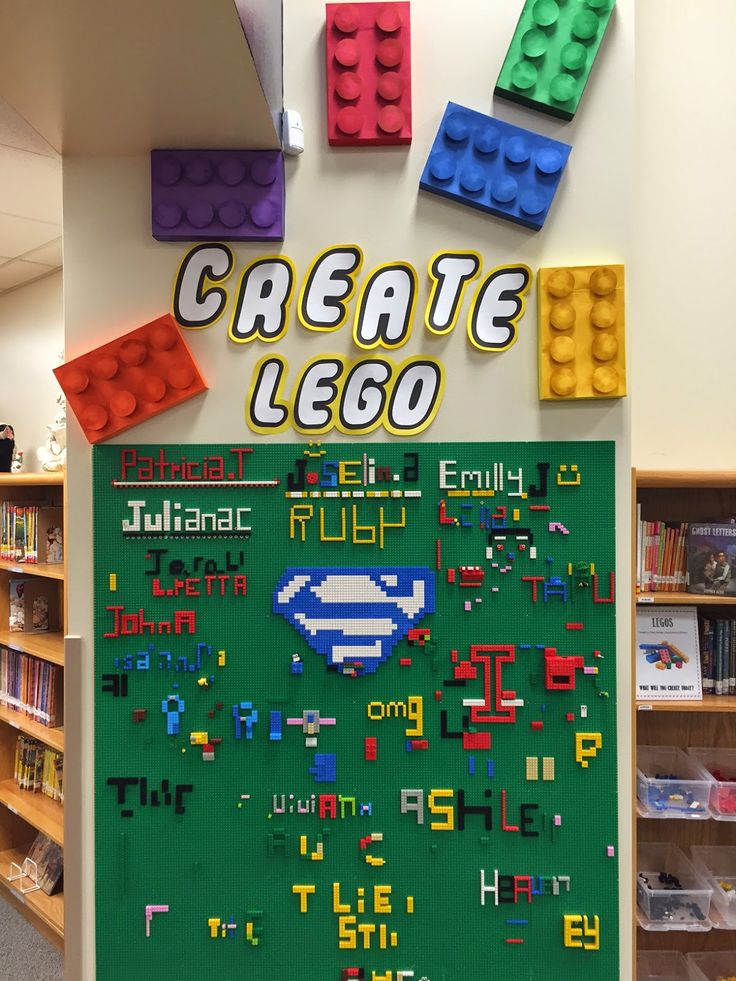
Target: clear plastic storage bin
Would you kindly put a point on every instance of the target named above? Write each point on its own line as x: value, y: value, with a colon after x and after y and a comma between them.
x: 717, y: 864
x: 671, y: 784
x: 719, y: 765
x: 670, y: 893
x: 661, y: 965
x: 712, y: 967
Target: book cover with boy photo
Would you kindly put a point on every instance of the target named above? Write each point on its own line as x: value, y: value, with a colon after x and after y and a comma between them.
x: 711, y: 559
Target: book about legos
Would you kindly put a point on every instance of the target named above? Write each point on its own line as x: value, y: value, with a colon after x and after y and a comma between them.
x: 667, y: 654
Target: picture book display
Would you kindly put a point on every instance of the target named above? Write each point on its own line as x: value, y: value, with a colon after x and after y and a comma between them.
x: 355, y: 711
x: 711, y: 559
x: 667, y: 654
x: 48, y: 858
x: 34, y: 605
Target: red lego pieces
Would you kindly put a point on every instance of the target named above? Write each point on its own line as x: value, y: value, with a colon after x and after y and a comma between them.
x: 476, y: 740
x: 368, y: 74
x: 471, y: 575
x: 131, y: 379
x: 559, y: 671
x: 371, y: 748
x: 537, y: 725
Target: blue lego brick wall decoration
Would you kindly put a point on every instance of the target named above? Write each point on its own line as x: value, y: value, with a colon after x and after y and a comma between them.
x: 495, y: 167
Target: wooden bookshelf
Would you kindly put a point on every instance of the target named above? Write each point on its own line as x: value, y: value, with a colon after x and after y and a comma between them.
x: 53, y: 737
x: 683, y: 599
x: 38, y: 810
x: 48, y: 909
x: 678, y: 496
x: 711, y: 703
x: 49, y: 647
x: 45, y: 570
x: 24, y: 813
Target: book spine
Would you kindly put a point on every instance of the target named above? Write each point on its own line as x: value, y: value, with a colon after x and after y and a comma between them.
x: 706, y: 656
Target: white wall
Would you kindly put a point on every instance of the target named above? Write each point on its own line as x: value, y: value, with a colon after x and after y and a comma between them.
x: 683, y: 340
x: 118, y: 278
x: 32, y: 338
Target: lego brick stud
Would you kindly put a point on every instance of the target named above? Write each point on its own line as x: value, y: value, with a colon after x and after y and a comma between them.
x: 495, y: 167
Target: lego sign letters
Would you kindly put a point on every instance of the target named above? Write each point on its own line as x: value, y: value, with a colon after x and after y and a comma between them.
x: 331, y: 391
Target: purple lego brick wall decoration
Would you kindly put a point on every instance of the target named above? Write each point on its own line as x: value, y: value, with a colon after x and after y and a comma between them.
x: 228, y: 195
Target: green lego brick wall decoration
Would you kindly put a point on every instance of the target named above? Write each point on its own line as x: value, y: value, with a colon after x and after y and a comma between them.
x: 355, y: 711
x: 552, y: 52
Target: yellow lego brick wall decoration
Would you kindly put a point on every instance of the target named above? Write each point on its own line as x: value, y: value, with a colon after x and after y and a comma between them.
x: 582, y: 328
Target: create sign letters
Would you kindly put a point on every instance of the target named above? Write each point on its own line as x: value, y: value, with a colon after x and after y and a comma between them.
x: 332, y: 391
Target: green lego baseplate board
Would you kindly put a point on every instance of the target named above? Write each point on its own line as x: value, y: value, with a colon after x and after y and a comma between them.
x: 355, y: 711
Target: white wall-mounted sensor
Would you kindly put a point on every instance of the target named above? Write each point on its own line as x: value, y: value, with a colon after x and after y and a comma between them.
x: 292, y: 132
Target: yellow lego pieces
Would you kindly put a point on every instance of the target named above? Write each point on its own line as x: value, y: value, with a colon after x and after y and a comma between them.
x: 112, y: 581
x: 587, y: 745
x: 532, y: 768
x: 198, y: 738
x: 548, y: 768
x: 579, y: 931
x: 582, y: 333
x: 221, y: 656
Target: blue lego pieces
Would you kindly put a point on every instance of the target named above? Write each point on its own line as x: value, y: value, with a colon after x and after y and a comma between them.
x: 275, y: 726
x: 325, y: 768
x: 244, y: 714
x: 498, y: 168
x: 172, y: 707
x: 554, y: 586
x: 297, y: 665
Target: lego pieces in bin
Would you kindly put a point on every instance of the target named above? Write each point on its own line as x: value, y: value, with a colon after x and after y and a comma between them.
x: 368, y: 47
x: 131, y: 379
x: 227, y: 195
x: 495, y: 167
x: 552, y: 53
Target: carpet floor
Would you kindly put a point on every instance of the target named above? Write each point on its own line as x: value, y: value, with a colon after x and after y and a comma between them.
x: 24, y: 954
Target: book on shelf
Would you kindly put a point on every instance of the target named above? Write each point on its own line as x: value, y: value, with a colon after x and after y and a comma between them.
x: 718, y: 649
x: 39, y: 768
x: 31, y: 686
x: 660, y: 555
x: 667, y: 654
x: 711, y: 558
x: 49, y: 860
x: 34, y: 605
x: 31, y: 533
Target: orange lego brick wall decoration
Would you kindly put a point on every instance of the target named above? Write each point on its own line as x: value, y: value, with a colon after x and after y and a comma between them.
x: 130, y: 379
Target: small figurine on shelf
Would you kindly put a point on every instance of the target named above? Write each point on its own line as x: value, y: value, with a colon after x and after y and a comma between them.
x: 17, y: 465
x: 52, y: 455
x: 7, y: 446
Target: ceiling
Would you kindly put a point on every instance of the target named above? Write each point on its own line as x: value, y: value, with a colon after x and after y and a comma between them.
x: 93, y: 77
x: 30, y: 203
x: 104, y: 77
